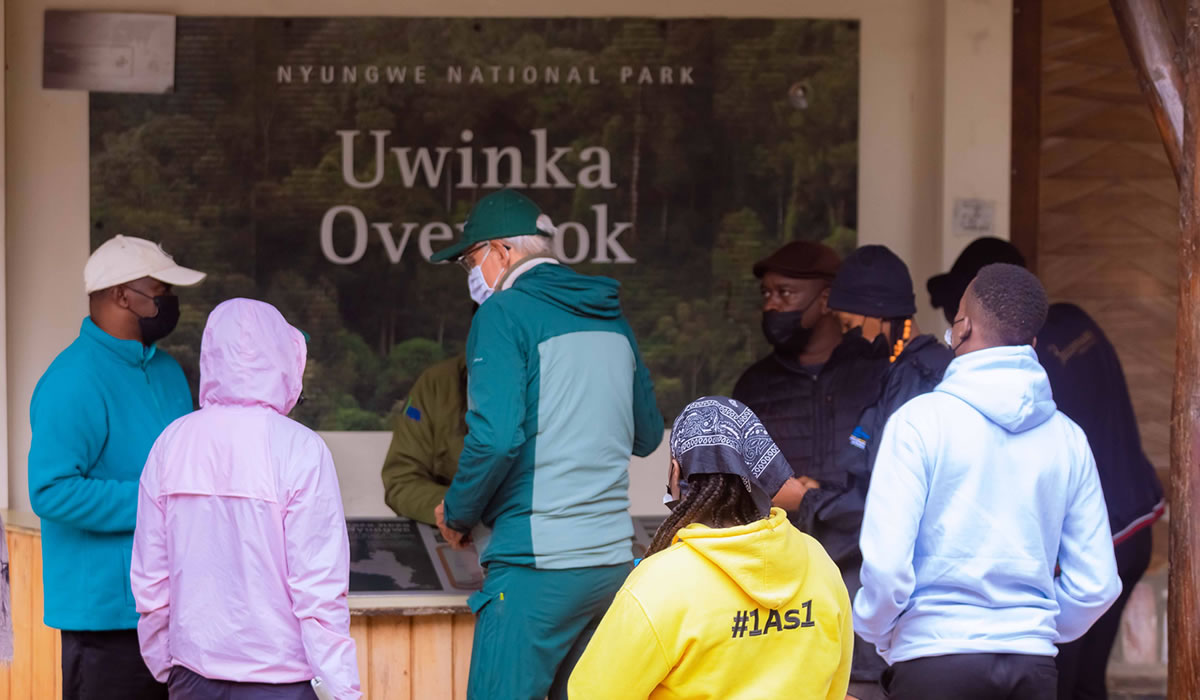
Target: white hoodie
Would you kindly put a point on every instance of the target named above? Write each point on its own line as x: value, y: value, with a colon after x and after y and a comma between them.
x: 980, y: 488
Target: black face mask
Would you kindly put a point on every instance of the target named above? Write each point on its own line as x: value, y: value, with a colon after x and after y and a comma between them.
x: 785, y: 330
x: 155, y: 328
x: 877, y: 348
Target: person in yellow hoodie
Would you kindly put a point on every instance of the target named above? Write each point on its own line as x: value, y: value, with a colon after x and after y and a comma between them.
x: 732, y: 602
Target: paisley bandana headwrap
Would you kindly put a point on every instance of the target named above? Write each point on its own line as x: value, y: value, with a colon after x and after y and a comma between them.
x: 717, y: 435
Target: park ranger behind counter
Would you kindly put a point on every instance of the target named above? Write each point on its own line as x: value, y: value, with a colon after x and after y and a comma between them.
x: 559, y: 400
x: 427, y: 439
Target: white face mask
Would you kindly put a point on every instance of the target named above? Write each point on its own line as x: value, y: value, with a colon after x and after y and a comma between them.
x: 476, y: 284
x: 950, y: 337
x: 480, y: 291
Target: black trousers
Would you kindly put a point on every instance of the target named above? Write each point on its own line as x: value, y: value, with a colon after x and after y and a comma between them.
x: 1082, y: 664
x: 106, y: 665
x: 188, y: 685
x: 973, y: 677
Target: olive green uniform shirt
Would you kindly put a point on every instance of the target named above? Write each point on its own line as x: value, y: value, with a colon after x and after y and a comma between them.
x: 427, y: 438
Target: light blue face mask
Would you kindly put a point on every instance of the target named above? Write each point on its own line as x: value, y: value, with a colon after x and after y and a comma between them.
x: 476, y: 285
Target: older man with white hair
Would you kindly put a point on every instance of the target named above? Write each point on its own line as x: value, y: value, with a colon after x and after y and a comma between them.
x: 558, y: 401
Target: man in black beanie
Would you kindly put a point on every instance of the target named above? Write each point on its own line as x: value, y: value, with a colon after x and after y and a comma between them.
x: 1089, y: 386
x: 873, y: 293
x: 872, y: 297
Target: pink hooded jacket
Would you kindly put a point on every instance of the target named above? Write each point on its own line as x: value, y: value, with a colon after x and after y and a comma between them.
x: 240, y: 558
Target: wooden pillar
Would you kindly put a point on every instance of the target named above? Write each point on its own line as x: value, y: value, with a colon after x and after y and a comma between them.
x: 1155, y: 55
x: 1183, y: 666
x: 1026, y: 129
x: 1170, y: 80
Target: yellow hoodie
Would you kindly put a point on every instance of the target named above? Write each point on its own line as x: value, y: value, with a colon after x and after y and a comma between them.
x: 753, y: 612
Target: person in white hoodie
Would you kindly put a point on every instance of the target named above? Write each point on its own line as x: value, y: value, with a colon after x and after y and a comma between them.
x: 985, y: 539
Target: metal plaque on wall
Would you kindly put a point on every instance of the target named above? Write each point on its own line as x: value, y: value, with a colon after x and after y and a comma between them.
x: 108, y: 52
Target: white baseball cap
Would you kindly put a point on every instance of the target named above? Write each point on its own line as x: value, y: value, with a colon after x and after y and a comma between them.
x: 123, y: 259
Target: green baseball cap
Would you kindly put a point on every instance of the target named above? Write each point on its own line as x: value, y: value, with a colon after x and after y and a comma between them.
x: 501, y: 214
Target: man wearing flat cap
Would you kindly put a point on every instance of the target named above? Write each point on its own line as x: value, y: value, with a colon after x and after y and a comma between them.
x: 558, y: 401
x: 810, y: 391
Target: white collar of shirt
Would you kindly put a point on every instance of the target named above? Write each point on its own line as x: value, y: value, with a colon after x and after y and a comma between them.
x: 523, y: 267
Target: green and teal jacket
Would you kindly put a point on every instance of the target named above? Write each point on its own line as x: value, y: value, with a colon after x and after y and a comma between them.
x: 558, y: 401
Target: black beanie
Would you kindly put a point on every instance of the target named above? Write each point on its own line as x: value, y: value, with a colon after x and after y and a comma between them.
x: 874, y: 282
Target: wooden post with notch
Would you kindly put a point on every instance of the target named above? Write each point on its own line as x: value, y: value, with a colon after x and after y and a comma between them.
x: 1170, y: 80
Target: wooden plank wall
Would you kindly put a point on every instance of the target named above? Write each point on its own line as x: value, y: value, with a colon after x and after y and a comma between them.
x: 399, y: 657
x: 413, y: 658
x: 36, y: 673
x: 1108, y: 224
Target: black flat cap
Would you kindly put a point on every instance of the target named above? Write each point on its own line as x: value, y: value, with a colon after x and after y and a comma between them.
x: 801, y: 260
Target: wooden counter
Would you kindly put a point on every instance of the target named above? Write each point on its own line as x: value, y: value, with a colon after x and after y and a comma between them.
x: 36, y: 673
x: 409, y: 647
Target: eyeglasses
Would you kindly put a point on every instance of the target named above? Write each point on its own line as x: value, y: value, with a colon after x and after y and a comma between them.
x: 464, y: 261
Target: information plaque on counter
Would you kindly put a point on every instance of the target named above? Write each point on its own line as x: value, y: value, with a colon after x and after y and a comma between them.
x: 402, y: 556
x: 397, y: 555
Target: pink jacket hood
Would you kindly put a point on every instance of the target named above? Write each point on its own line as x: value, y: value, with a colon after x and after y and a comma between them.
x: 250, y: 356
x: 241, y: 563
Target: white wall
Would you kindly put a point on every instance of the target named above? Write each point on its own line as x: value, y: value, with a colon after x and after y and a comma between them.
x: 359, y: 457
x: 903, y: 176
x: 977, y: 140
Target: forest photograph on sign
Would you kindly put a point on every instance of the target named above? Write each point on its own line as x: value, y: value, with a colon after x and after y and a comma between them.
x: 318, y: 163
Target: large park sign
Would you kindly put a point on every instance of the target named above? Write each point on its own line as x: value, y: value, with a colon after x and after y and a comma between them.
x: 319, y: 163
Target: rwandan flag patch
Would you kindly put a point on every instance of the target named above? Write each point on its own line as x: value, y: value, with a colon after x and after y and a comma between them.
x: 412, y: 412
x: 859, y: 438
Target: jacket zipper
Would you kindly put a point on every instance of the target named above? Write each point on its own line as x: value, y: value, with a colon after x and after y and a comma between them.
x: 818, y: 426
x: 162, y: 416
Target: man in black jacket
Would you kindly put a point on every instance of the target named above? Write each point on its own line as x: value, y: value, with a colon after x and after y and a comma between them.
x: 810, y: 392
x: 1089, y: 386
x: 873, y: 294
x: 872, y: 297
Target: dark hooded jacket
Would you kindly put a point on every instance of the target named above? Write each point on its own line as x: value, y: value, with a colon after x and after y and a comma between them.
x: 1089, y: 386
x: 917, y: 370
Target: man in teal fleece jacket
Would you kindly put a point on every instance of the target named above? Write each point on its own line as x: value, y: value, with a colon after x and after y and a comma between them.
x: 95, y: 414
x: 558, y: 401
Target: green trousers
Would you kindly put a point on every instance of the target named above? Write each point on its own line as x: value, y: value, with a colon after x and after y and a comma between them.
x: 532, y: 625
